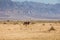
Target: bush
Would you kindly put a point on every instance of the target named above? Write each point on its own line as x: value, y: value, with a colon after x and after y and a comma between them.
x: 4, y: 23
x: 43, y: 24
x: 51, y: 29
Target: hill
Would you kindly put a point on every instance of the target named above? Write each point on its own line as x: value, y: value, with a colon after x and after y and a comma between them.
x: 28, y: 10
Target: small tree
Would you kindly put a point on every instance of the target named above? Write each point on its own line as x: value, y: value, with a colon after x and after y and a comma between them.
x: 51, y: 29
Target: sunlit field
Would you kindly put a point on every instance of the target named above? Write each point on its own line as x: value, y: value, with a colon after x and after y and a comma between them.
x: 30, y: 30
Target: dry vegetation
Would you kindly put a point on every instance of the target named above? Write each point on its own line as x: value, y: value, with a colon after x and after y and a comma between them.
x: 29, y: 30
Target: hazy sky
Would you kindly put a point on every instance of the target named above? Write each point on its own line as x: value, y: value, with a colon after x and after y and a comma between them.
x: 42, y: 1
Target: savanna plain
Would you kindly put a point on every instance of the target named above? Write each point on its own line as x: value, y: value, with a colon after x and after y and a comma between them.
x: 29, y: 30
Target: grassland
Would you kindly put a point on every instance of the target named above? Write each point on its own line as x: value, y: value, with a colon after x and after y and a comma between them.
x: 36, y: 30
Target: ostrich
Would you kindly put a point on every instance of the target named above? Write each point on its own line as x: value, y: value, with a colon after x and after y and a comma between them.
x: 26, y: 23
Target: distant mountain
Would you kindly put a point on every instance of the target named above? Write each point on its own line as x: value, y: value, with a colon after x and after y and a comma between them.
x: 28, y: 10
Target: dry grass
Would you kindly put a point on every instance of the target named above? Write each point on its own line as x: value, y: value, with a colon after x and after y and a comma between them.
x: 15, y: 30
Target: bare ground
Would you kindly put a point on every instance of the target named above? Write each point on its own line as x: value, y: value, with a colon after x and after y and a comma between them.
x: 37, y: 31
